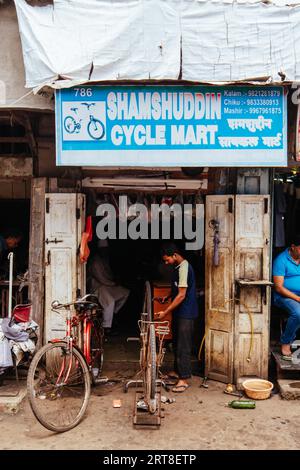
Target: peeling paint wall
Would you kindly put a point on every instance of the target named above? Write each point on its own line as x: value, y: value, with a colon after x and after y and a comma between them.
x: 12, y: 74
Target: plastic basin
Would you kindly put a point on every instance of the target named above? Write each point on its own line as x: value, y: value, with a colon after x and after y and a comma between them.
x: 258, y: 389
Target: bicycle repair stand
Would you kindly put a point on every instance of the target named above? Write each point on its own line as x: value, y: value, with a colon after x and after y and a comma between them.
x: 139, y: 382
x: 141, y: 416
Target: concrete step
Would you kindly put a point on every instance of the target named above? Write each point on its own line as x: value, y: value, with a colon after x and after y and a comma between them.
x: 289, y: 389
x: 11, y: 396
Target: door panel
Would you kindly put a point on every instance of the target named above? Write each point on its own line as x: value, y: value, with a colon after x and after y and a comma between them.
x: 255, y: 366
x: 218, y: 288
x: 62, y: 228
x: 219, y: 354
x: 252, y: 256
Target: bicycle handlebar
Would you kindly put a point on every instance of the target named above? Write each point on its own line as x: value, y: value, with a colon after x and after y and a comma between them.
x: 57, y: 305
x: 162, y: 300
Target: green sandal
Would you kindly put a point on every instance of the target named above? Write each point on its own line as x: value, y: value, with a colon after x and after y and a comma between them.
x: 286, y: 357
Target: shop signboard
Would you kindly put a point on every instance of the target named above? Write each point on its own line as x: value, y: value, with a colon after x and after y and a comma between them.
x: 159, y: 126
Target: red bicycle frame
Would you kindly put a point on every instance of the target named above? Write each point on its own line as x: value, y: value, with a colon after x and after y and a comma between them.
x: 71, y: 322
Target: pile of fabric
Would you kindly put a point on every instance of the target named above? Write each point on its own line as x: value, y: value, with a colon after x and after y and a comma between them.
x: 16, y: 338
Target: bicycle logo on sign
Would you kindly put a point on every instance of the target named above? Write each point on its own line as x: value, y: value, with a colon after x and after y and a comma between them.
x: 95, y: 127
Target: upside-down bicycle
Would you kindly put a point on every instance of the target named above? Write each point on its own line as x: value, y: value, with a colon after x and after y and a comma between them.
x: 61, y: 372
x: 152, y: 352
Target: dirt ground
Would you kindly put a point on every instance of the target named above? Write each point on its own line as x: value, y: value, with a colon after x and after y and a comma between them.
x: 198, y: 420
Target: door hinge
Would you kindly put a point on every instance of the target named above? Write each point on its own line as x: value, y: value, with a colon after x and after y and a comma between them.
x: 230, y: 205
x: 77, y: 213
x: 48, y: 262
x: 266, y: 205
x: 47, y: 205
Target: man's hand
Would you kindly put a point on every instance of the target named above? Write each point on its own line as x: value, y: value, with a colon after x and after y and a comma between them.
x: 160, y: 315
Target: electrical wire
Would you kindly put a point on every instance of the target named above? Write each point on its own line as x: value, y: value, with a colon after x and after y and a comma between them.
x: 251, y: 329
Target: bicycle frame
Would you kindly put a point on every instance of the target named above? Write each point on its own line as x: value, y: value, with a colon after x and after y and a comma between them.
x: 73, y: 321
x: 161, y: 330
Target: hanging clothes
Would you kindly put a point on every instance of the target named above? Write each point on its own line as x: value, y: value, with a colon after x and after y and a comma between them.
x: 111, y: 296
x: 16, y: 338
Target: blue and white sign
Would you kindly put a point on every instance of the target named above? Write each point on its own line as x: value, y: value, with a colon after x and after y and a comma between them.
x: 171, y: 126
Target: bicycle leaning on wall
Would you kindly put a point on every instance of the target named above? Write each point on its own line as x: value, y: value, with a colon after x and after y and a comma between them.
x: 61, y: 372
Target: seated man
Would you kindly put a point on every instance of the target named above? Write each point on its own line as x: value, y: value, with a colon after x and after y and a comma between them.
x: 111, y: 296
x: 286, y: 275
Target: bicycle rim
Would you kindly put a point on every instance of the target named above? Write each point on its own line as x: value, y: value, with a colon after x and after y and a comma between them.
x: 58, y: 386
x: 70, y: 124
x: 151, y: 371
x: 96, y: 348
x: 96, y: 129
x: 147, y: 306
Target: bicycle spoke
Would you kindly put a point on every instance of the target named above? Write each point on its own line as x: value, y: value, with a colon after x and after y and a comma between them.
x: 59, y: 387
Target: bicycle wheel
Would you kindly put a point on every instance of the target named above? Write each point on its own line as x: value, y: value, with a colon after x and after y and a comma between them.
x: 150, y: 372
x: 58, y: 386
x: 70, y: 124
x: 147, y: 305
x: 96, y: 349
x: 95, y: 129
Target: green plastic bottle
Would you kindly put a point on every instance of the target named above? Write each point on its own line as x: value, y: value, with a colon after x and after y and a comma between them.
x: 242, y: 404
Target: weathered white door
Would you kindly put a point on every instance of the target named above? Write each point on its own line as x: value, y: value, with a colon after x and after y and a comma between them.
x: 252, y: 264
x: 219, y: 281
x: 63, y: 278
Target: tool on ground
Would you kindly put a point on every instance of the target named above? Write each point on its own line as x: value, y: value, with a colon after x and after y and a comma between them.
x: 235, y: 394
x: 229, y: 390
x: 204, y: 384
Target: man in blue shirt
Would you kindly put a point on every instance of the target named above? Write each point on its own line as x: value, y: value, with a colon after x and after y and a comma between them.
x: 286, y: 276
x: 184, y: 310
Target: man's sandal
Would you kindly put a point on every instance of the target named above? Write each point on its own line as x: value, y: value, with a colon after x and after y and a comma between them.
x: 286, y: 357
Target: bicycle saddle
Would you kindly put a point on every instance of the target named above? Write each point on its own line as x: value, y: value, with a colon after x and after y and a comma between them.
x: 86, y: 305
x: 74, y: 109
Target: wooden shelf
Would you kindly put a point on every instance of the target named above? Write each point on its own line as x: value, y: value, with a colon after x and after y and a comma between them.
x: 246, y: 282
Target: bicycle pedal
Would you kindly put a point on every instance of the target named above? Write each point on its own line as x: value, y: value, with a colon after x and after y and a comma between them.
x: 101, y: 380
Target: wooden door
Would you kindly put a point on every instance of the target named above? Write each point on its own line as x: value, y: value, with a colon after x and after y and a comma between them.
x: 219, y: 290
x: 252, y: 263
x: 63, y: 226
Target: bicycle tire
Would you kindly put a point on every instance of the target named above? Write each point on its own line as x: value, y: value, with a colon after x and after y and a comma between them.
x: 72, y: 121
x: 36, y: 368
x: 90, y: 131
x: 147, y: 306
x: 151, y: 370
x: 96, y: 350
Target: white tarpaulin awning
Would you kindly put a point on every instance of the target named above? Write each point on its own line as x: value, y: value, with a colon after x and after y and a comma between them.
x: 203, y: 41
